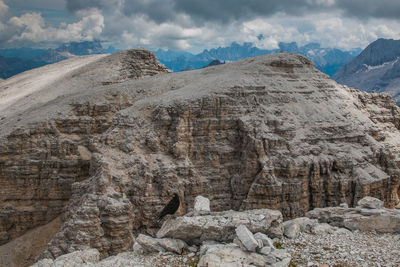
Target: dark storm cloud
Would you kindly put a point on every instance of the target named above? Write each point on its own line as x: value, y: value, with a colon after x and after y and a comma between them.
x: 364, y: 9
x: 226, y: 11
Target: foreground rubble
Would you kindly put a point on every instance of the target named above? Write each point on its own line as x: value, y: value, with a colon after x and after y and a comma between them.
x: 260, y: 238
x: 344, y: 248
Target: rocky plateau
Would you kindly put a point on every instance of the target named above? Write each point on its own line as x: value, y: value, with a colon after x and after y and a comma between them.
x: 103, y: 141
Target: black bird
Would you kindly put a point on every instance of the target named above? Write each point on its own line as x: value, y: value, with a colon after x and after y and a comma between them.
x: 171, y: 207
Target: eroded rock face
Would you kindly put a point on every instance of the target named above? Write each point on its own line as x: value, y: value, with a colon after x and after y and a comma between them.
x: 40, y: 161
x: 267, y: 132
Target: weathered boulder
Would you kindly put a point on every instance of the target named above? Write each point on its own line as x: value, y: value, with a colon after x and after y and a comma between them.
x: 322, y: 228
x: 201, y: 205
x: 151, y: 244
x: 264, y: 239
x: 370, y: 203
x: 220, y: 226
x: 246, y: 238
x: 293, y: 227
x: 291, y: 230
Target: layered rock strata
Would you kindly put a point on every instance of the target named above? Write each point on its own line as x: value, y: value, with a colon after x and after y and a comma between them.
x: 40, y: 159
x: 267, y: 132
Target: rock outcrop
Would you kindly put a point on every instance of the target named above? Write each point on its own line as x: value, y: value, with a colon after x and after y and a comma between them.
x: 107, y: 151
x: 41, y: 159
x: 220, y: 226
x: 369, y: 216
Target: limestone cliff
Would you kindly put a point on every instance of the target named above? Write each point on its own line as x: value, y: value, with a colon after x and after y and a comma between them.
x: 265, y: 132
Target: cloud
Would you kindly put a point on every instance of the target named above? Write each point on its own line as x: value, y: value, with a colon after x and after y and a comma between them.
x: 32, y: 28
x: 365, y: 9
x: 50, y: 4
x: 195, y: 25
x: 223, y: 11
x: 3, y: 9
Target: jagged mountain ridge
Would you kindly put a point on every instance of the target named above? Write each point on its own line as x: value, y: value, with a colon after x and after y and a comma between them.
x: 376, y: 68
x: 264, y: 132
x: 328, y: 60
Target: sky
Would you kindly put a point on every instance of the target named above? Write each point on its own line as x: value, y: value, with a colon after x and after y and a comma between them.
x: 197, y: 25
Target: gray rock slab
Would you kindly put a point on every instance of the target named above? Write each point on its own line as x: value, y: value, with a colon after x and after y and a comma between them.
x: 151, y: 244
x: 246, y: 237
x: 220, y: 226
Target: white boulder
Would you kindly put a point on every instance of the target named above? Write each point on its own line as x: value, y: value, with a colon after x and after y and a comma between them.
x: 201, y: 205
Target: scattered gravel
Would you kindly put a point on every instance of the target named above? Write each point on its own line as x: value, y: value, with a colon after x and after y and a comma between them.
x: 163, y: 259
x: 344, y: 248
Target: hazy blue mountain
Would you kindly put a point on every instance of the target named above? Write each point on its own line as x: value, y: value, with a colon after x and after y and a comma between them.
x: 376, y: 68
x: 23, y: 52
x: 70, y: 50
x: 328, y: 60
x: 170, y: 55
x: 12, y: 66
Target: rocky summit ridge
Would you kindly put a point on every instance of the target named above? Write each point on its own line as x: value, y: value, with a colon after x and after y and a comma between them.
x: 105, y: 145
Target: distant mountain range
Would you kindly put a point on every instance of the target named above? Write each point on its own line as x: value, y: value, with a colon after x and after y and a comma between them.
x: 376, y: 68
x: 17, y: 60
x: 328, y: 60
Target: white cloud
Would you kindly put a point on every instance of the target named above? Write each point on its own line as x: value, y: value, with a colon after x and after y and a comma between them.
x: 32, y: 28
